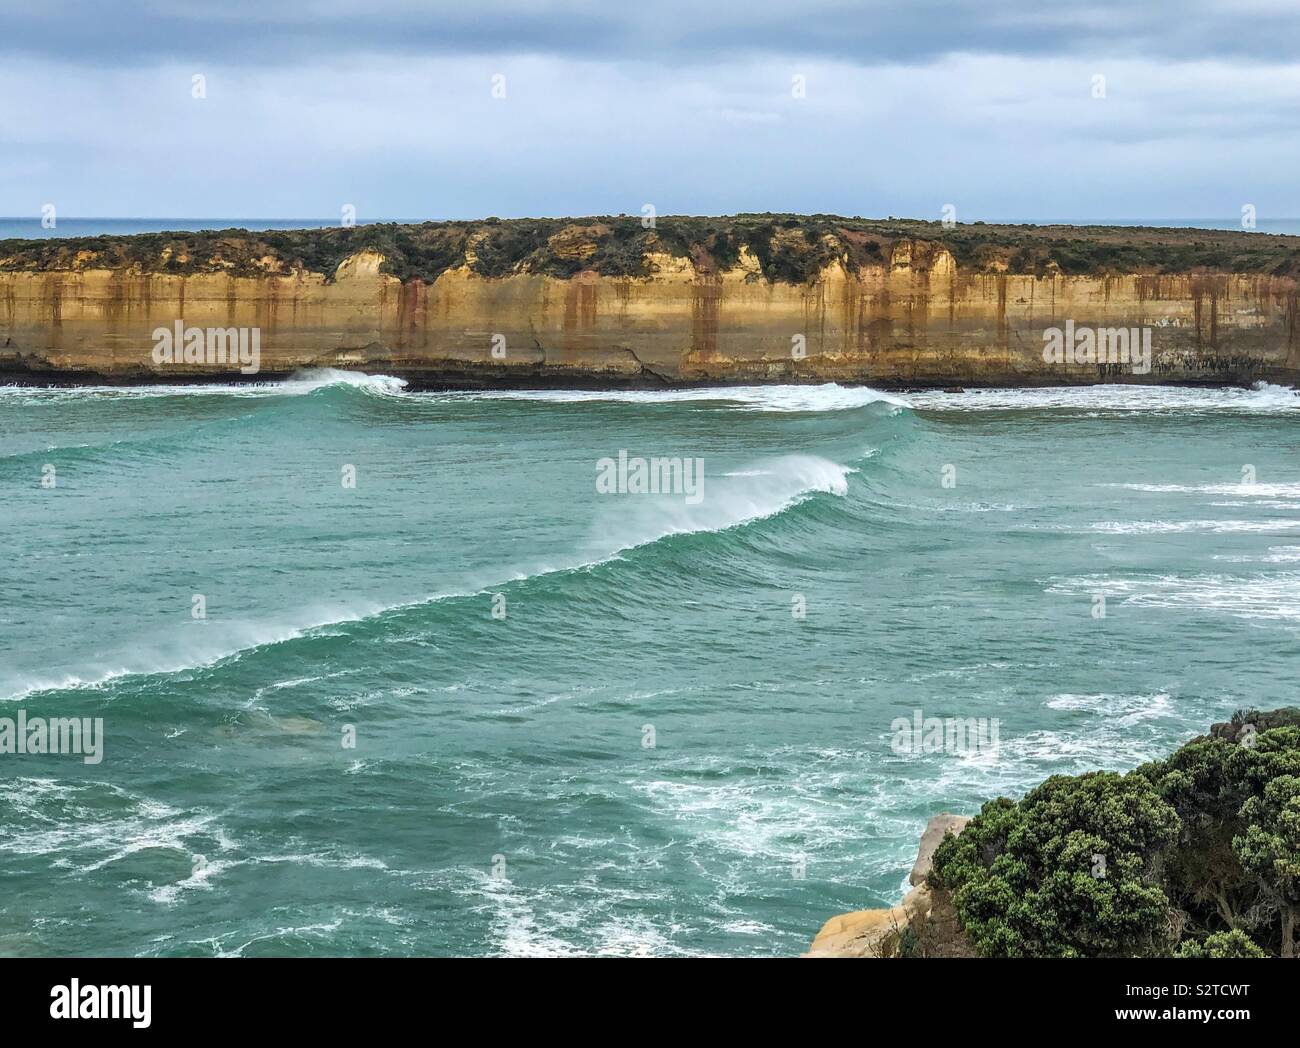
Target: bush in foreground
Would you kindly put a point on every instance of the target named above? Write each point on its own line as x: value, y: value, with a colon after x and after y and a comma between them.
x: 1197, y: 855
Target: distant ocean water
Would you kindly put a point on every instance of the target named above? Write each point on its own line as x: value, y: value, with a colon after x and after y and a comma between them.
x: 30, y: 228
x: 503, y: 795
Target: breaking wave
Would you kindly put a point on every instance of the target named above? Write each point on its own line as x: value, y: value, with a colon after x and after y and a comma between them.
x: 1263, y: 398
x: 827, y: 397
x: 768, y: 489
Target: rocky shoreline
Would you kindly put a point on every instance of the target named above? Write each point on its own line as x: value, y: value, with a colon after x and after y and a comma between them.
x: 924, y: 922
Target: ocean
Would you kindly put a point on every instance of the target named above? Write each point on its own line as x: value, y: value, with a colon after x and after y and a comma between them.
x: 32, y: 228
x: 384, y: 673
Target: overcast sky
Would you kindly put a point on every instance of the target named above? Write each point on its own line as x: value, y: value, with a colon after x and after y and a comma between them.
x: 693, y: 107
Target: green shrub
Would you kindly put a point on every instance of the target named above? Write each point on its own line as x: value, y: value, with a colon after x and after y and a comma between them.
x: 1194, y: 855
x: 1220, y: 945
x: 1070, y: 871
x: 790, y: 248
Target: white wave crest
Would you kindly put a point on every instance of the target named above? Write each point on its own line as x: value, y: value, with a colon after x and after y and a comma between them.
x: 318, y: 378
x: 829, y: 396
x: 297, y: 384
x: 1273, y: 597
x: 1262, y: 398
x: 1275, y: 555
x: 1117, y: 709
x: 1216, y: 527
x: 1243, y: 490
x: 763, y: 490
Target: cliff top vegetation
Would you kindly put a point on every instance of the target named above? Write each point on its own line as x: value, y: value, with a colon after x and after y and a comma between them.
x: 788, y: 248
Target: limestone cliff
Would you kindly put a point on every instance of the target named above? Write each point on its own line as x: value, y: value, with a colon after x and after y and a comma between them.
x: 610, y: 302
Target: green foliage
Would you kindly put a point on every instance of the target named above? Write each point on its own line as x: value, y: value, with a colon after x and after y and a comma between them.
x: 1070, y: 871
x: 1202, y: 847
x: 1270, y: 849
x: 420, y: 251
x: 789, y: 248
x: 508, y: 245
x: 908, y: 943
x: 1220, y: 946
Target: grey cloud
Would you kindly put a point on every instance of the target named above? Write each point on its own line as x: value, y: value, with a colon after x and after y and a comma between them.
x: 142, y: 32
x: 685, y: 106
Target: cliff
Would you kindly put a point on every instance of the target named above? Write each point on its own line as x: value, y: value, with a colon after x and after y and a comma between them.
x: 609, y: 302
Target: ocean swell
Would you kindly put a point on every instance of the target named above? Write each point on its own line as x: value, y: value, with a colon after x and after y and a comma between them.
x: 764, y: 490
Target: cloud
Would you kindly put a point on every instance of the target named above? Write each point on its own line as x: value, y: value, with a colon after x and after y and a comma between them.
x: 908, y: 107
x: 997, y: 137
x: 669, y: 32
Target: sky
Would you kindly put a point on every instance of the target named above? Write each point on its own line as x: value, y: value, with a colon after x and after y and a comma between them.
x: 1015, y: 111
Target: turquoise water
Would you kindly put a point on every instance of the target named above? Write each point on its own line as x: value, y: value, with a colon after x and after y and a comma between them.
x: 502, y: 796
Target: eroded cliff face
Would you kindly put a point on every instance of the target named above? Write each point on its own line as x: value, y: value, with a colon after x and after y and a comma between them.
x: 914, y: 317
